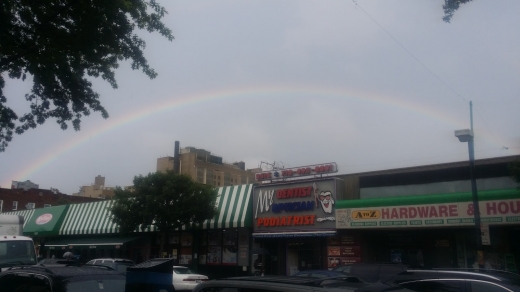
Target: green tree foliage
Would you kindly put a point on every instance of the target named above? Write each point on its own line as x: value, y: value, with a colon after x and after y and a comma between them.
x: 166, y: 200
x: 450, y: 6
x: 62, y: 201
x: 514, y: 168
x: 60, y: 44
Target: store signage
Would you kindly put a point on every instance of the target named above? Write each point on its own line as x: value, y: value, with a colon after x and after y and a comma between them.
x: 486, y: 238
x: 43, y: 219
x: 343, y: 250
x: 348, y: 251
x: 495, y: 212
x: 297, y: 206
x: 297, y: 171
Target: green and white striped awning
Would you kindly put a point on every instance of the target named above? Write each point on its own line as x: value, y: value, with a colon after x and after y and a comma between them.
x: 90, y: 218
x: 234, y: 204
x: 27, y: 214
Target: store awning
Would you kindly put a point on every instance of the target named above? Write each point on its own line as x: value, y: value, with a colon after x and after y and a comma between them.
x: 89, y: 218
x: 45, y: 221
x: 234, y: 208
x: 487, y: 195
x: 91, y: 242
x: 233, y: 203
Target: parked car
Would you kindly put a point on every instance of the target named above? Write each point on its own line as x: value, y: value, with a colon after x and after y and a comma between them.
x: 456, y: 280
x: 266, y: 283
x: 184, y: 279
x: 372, y: 272
x: 343, y: 269
x: 53, y: 262
x: 119, y: 265
x: 275, y: 283
x: 339, y: 279
x: 62, y: 279
x: 318, y: 274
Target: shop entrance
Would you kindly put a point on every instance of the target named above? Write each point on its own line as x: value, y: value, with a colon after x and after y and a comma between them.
x: 304, y: 255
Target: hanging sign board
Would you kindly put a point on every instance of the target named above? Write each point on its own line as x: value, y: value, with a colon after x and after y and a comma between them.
x: 493, y: 212
x: 296, y: 206
x: 301, y: 171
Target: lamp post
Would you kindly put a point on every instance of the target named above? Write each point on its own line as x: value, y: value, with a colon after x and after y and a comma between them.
x: 466, y: 135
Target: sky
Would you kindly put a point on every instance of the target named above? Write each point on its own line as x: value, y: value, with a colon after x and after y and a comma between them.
x: 370, y: 85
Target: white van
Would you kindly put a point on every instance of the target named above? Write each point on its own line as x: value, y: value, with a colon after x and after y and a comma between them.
x: 15, y: 249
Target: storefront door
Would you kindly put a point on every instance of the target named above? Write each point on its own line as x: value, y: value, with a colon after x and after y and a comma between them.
x: 304, y: 255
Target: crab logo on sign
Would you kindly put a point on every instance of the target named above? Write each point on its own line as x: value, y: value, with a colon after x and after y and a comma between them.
x: 43, y: 219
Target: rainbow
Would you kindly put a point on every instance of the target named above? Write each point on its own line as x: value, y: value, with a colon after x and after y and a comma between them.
x: 185, y: 101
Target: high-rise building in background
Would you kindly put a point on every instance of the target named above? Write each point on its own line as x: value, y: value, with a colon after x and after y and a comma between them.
x: 97, y: 190
x: 24, y: 185
x: 207, y: 168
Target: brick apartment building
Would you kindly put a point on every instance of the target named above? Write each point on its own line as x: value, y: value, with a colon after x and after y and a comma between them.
x: 21, y: 199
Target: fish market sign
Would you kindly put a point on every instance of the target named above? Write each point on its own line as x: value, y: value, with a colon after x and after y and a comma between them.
x: 495, y: 212
x: 295, y: 206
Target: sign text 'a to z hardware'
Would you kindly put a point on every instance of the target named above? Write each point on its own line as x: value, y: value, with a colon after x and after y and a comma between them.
x: 297, y: 171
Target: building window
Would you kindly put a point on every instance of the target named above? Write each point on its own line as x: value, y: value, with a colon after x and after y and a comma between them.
x: 30, y: 206
x: 47, y: 205
x: 1, y: 205
x: 15, y: 205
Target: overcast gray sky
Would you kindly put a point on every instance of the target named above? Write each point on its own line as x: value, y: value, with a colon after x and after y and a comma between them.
x: 370, y: 85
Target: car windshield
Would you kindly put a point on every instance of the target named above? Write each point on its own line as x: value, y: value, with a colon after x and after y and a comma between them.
x: 182, y: 270
x: 112, y: 283
x: 19, y: 252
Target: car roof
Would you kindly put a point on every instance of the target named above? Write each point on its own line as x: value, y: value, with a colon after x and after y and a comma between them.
x: 487, y: 275
x: 270, y: 283
x: 112, y: 259
x: 325, y: 272
x: 66, y: 271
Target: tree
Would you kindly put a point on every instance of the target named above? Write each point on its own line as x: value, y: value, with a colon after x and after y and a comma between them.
x: 450, y: 6
x: 514, y: 168
x: 166, y: 200
x: 62, y: 45
x: 62, y: 201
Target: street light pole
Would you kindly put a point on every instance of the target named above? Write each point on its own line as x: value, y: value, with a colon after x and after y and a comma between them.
x: 467, y: 136
x: 474, y: 195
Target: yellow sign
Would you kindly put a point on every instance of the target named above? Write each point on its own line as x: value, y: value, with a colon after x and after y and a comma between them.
x: 366, y: 214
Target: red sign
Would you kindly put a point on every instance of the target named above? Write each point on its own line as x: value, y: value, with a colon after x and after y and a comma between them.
x: 43, y: 219
x: 297, y: 171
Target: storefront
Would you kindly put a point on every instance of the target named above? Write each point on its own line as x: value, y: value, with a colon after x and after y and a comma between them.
x: 219, y: 248
x: 43, y: 223
x: 435, y: 230
x: 291, y: 223
x: 87, y: 231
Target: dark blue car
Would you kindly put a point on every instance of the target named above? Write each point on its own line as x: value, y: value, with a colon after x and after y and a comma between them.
x: 319, y: 274
x: 333, y: 278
